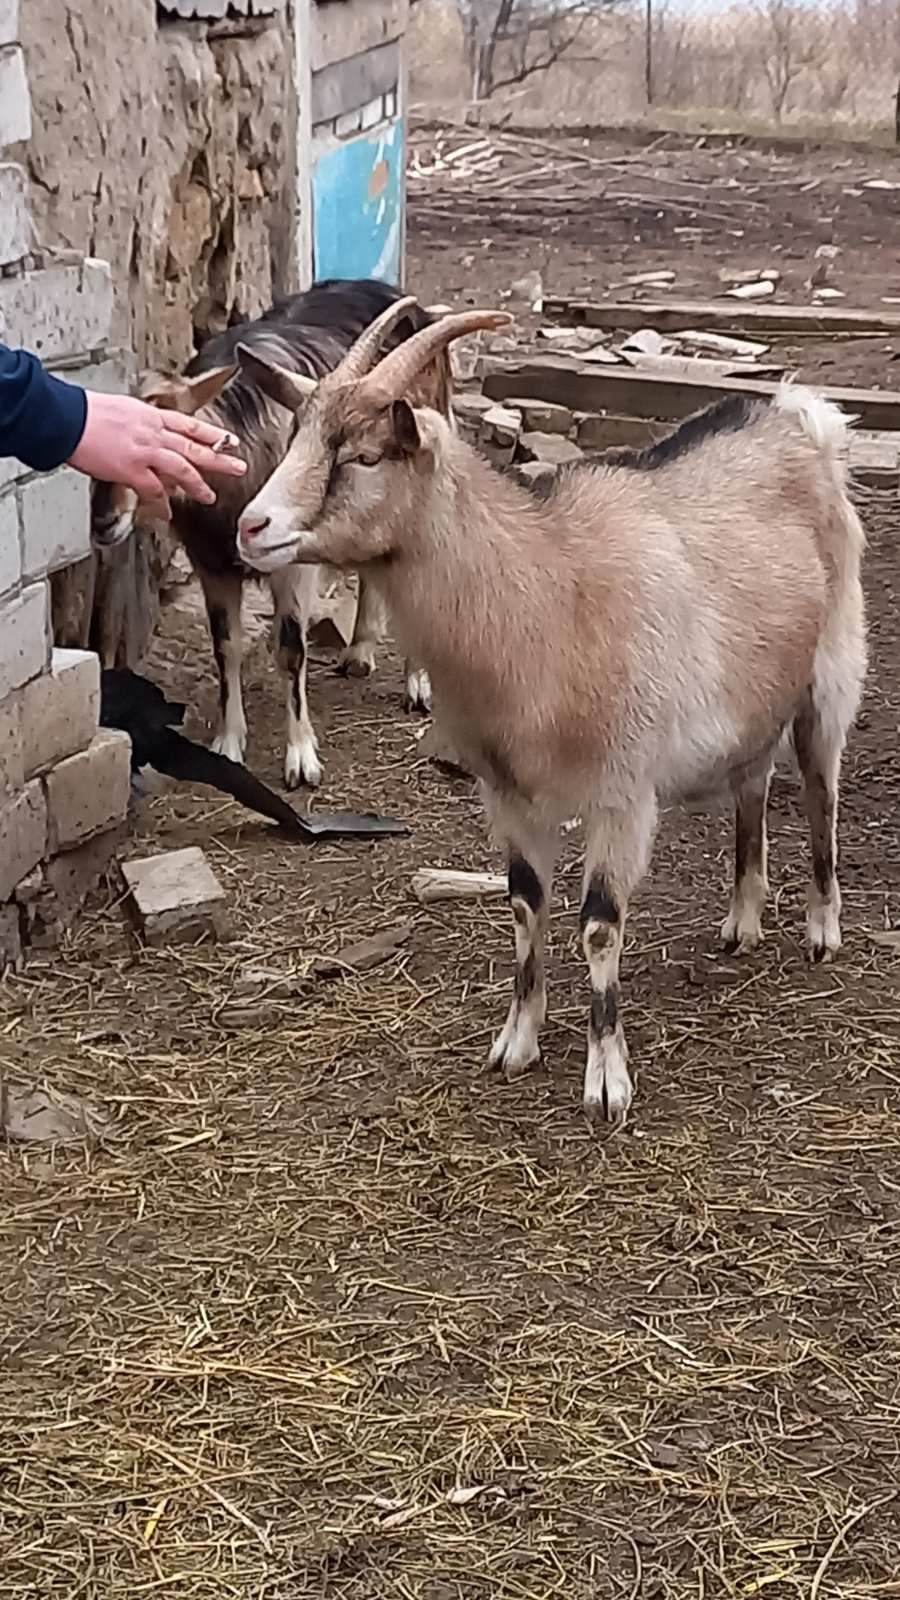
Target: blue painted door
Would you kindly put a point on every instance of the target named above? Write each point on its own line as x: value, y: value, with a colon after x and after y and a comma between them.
x: 358, y: 206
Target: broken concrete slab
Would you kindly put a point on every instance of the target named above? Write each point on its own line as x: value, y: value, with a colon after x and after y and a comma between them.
x: 501, y: 424
x: 536, y: 475
x: 176, y: 898
x: 542, y: 417
x: 470, y: 408
x: 498, y: 434
x: 552, y: 448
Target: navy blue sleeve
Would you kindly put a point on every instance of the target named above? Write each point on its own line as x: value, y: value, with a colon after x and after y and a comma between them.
x: 41, y: 418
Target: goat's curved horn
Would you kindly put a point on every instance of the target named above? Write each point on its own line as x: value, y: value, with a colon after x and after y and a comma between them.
x: 362, y: 355
x: 392, y: 377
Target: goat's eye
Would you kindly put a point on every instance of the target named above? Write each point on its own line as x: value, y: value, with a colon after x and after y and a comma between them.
x: 366, y: 459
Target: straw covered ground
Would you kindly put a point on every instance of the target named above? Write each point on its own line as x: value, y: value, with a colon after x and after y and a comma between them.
x: 329, y: 1311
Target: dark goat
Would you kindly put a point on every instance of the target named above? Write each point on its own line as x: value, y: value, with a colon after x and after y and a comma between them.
x: 307, y: 334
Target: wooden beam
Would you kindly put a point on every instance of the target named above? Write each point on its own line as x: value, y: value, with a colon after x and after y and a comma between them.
x: 678, y: 316
x: 630, y: 393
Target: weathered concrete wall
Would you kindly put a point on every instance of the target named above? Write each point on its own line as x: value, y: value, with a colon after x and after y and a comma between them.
x: 165, y: 147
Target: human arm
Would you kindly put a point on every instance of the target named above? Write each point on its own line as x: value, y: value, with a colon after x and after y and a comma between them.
x: 113, y: 438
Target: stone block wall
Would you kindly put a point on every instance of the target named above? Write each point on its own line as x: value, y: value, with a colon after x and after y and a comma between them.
x: 64, y: 783
x: 163, y: 141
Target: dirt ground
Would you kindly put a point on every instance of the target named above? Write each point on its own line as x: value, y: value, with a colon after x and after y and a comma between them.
x: 691, y: 206
x: 331, y: 1311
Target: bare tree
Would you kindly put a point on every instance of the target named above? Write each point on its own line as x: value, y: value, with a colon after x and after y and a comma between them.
x: 787, y: 48
x: 508, y: 41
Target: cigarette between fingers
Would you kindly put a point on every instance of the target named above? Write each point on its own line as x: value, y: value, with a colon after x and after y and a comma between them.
x: 228, y: 441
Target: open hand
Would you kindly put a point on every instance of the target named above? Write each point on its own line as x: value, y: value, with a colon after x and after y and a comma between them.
x: 153, y: 452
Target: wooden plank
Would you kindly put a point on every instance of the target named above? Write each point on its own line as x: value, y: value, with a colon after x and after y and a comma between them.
x: 637, y: 394
x: 678, y: 316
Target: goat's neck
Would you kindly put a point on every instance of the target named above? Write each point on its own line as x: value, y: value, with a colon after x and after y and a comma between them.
x: 472, y: 538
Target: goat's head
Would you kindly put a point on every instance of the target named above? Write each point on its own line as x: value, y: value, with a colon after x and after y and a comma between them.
x: 115, y: 509
x: 359, y: 446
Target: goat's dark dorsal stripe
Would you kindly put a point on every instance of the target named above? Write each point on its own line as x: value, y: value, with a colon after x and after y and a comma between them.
x: 725, y: 416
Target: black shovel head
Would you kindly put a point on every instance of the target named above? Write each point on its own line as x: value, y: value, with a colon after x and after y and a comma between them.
x: 351, y: 825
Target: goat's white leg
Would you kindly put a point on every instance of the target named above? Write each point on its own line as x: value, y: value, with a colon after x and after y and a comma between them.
x: 618, y: 850
x: 742, y: 928
x: 819, y: 750
x: 418, y: 688
x: 293, y: 589
x: 532, y: 855
x: 223, y: 604
x: 358, y: 660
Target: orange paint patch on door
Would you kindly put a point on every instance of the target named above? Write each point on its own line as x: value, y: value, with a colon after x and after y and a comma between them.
x: 378, y: 179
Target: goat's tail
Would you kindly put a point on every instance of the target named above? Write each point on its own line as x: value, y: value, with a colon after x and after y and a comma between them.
x: 841, y: 656
x: 824, y: 423
x: 827, y: 428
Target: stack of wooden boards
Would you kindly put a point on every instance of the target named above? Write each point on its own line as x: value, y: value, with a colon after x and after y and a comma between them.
x: 631, y: 402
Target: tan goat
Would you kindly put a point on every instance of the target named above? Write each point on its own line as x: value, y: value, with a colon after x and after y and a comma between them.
x: 650, y: 629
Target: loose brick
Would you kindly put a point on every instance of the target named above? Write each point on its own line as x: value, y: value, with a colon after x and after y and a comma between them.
x: 176, y: 898
x: 88, y: 792
x: 10, y: 558
x: 12, y: 765
x: 56, y: 510
x: 59, y: 312
x: 15, y: 99
x: 60, y: 711
x: 10, y: 937
x: 15, y: 222
x: 23, y: 837
x: 24, y: 637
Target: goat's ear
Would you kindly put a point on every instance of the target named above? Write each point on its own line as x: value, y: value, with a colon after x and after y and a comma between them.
x: 208, y: 386
x: 169, y: 394
x: 287, y: 389
x: 406, y: 428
